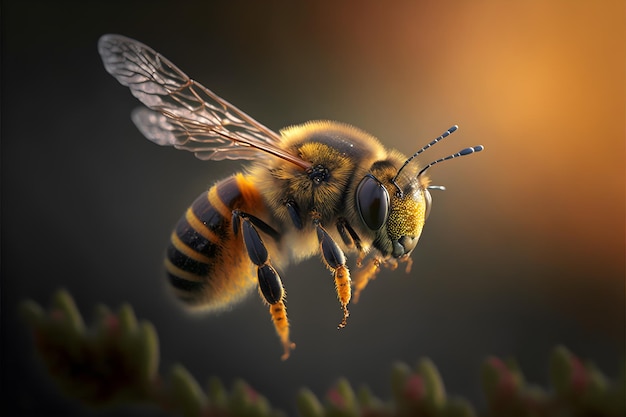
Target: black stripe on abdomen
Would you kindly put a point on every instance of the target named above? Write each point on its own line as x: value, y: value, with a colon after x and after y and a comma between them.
x: 186, y: 263
x: 198, y: 238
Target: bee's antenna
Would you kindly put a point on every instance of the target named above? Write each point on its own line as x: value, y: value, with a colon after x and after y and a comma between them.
x: 434, y: 141
x: 462, y: 152
x: 436, y: 187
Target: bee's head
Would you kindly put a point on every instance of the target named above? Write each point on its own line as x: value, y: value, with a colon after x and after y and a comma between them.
x: 394, y: 203
x: 397, y: 218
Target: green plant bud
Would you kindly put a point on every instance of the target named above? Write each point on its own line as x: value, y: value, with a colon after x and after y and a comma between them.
x: 308, y: 404
x: 435, y: 390
x: 105, y: 326
x: 128, y: 320
x: 497, y: 380
x: 516, y: 373
x: 187, y: 397
x: 347, y: 393
x: 64, y: 302
x: 261, y: 406
x: 597, y: 388
x: 341, y: 400
x: 245, y: 401
x: 148, y: 351
x: 490, y: 378
x: 563, y: 371
x: 367, y: 400
x: 218, y: 397
x: 400, y: 372
x: 240, y: 395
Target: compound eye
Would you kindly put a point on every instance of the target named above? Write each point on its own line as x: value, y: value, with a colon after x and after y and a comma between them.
x: 372, y: 202
x: 428, y: 201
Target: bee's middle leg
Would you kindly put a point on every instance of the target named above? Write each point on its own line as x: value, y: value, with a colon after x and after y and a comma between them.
x: 270, y: 284
x: 335, y: 260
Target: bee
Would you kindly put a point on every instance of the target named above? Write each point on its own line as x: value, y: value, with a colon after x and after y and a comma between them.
x: 319, y: 188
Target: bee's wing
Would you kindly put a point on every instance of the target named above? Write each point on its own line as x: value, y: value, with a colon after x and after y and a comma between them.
x: 183, y: 113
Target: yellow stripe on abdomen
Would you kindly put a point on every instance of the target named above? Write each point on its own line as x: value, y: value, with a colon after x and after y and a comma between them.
x: 186, y: 250
x: 206, y: 264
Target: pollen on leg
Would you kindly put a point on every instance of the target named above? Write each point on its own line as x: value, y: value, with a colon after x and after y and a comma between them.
x: 278, y: 312
x: 344, y: 291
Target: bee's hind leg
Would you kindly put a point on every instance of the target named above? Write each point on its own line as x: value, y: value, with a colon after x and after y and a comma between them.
x: 336, y: 261
x: 270, y: 285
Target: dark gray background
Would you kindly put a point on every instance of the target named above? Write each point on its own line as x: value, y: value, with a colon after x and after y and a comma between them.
x: 524, y: 251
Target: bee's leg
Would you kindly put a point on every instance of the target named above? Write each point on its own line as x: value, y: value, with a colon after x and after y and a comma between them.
x: 294, y: 214
x: 350, y: 238
x: 336, y: 262
x: 363, y: 275
x: 272, y: 289
x: 409, y: 263
x: 265, y: 228
x: 270, y: 285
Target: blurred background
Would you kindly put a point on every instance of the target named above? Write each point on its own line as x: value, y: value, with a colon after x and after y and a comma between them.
x: 525, y: 250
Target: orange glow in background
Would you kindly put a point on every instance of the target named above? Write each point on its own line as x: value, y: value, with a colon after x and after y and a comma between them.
x: 541, y: 85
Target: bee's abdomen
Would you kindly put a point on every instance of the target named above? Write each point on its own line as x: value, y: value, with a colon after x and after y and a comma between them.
x: 202, y: 245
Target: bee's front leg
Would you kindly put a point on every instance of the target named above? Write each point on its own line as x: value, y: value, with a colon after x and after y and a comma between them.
x: 364, y: 275
x: 270, y: 285
x: 336, y: 261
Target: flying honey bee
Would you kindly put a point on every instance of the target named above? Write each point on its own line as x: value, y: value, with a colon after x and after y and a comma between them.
x: 318, y: 188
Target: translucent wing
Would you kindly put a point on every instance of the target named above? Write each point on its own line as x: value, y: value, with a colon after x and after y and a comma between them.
x: 183, y: 113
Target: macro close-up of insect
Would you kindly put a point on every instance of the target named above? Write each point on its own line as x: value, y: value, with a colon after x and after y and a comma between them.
x: 321, y: 188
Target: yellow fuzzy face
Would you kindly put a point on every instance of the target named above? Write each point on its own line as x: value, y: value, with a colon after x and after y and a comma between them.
x: 407, y: 215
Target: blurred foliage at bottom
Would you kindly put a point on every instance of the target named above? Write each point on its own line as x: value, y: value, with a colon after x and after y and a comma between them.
x: 115, y: 362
